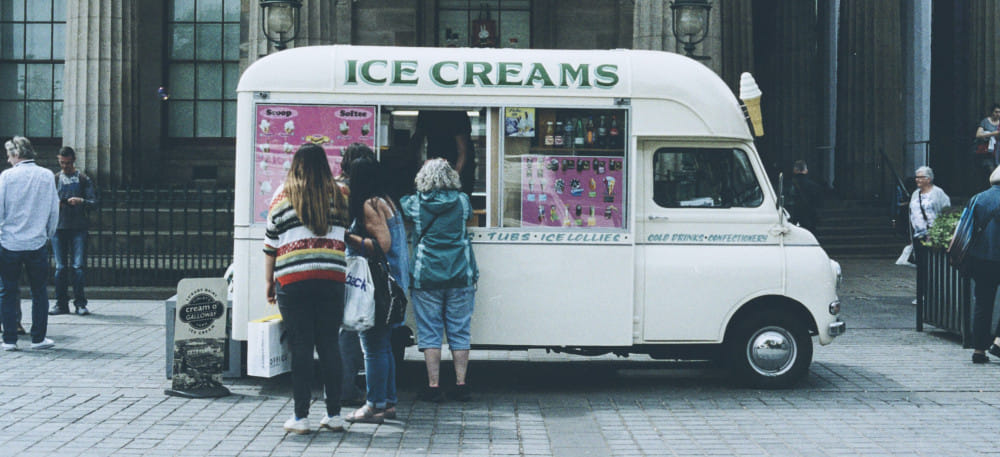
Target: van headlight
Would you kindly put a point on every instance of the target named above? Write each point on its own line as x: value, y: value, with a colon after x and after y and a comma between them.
x: 835, y: 307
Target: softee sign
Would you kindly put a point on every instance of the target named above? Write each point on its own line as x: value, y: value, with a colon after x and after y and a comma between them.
x: 454, y: 73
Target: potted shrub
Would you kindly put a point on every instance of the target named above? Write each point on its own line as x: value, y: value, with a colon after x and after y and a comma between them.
x: 948, y: 296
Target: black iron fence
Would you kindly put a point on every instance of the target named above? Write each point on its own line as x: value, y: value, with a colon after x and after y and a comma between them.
x: 156, y: 236
x: 947, y: 303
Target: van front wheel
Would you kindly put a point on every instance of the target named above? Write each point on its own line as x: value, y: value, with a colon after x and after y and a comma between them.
x: 770, y: 351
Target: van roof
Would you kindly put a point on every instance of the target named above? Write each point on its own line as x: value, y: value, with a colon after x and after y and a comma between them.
x: 662, y: 87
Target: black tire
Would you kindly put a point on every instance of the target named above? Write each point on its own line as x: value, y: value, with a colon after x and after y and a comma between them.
x: 755, y: 365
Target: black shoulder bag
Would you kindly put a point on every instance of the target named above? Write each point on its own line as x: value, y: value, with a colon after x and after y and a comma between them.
x: 390, y: 300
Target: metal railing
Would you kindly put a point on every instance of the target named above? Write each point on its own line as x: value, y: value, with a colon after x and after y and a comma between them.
x: 947, y: 300
x: 156, y: 236
x: 898, y: 204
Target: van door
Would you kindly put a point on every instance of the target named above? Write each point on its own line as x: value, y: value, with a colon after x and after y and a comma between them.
x: 703, y: 221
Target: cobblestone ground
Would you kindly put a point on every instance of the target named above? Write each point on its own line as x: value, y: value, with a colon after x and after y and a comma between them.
x: 882, y: 389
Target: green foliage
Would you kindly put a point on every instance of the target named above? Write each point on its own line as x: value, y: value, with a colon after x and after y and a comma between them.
x: 941, y: 231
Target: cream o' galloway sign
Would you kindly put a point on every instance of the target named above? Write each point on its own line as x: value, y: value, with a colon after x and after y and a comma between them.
x: 199, y: 338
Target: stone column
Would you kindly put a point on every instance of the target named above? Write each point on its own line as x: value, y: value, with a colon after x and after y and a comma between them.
x: 653, y: 26
x: 99, y: 87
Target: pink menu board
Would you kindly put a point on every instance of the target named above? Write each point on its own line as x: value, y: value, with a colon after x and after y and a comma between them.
x: 281, y: 129
x: 572, y: 191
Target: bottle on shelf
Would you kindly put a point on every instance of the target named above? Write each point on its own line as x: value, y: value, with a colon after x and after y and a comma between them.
x: 590, y: 131
x: 559, y: 135
x: 550, y: 134
x: 615, y: 140
x: 602, y: 132
x: 568, y: 133
x: 579, y: 139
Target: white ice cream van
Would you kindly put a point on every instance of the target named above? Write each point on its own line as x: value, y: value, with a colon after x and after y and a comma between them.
x: 620, y: 203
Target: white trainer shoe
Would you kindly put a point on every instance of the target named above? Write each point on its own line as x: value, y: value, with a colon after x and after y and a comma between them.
x: 332, y: 423
x: 297, y: 426
x: 45, y: 344
x: 8, y: 347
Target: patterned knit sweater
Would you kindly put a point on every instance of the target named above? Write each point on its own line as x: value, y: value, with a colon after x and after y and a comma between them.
x: 300, y: 254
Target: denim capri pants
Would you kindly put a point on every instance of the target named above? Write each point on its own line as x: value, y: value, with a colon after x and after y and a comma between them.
x: 441, y: 311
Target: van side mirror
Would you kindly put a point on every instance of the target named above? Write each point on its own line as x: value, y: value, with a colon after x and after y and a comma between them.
x: 781, y: 198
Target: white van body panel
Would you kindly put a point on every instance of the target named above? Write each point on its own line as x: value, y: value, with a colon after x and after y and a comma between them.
x: 554, y: 295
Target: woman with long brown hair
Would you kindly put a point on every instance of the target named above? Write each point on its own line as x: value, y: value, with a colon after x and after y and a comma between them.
x: 304, y: 272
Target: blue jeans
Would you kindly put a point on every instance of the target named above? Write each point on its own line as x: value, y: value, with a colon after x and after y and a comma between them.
x: 69, y: 245
x: 37, y: 264
x: 380, y: 367
x: 443, y: 310
x: 350, y: 361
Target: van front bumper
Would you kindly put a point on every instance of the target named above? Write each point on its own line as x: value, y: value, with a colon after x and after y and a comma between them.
x: 837, y: 328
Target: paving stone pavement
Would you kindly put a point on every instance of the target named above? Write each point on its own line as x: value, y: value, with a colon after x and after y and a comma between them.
x: 881, y: 389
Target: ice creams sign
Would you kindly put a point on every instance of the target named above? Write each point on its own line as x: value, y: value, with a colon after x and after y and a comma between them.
x: 454, y: 73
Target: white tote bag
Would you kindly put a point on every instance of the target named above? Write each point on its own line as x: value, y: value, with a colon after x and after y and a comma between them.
x: 359, y: 295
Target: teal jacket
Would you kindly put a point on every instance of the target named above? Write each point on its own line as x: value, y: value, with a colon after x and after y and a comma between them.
x: 442, y: 258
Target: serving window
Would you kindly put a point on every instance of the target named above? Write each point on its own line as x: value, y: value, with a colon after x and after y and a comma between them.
x: 564, y: 168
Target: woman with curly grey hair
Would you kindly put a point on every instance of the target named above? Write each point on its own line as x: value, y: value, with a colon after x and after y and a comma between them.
x: 443, y: 272
x: 925, y: 205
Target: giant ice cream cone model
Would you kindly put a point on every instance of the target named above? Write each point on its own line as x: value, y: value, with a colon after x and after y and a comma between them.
x: 750, y: 95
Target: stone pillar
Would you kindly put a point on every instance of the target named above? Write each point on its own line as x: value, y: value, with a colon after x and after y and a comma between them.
x: 653, y: 25
x: 916, y: 83
x: 99, y: 87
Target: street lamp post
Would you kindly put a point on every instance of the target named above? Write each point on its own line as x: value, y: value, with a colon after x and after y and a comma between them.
x: 280, y: 20
x: 690, y: 24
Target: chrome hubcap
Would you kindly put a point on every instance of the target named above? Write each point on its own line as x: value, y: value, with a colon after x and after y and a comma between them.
x: 771, y: 351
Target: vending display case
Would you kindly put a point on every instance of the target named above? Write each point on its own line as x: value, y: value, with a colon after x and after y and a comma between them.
x: 565, y: 168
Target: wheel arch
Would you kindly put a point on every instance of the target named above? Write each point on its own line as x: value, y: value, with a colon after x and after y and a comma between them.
x: 772, y: 304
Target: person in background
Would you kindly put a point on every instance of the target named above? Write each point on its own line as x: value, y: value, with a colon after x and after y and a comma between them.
x: 925, y: 204
x: 448, y: 137
x: 351, y: 357
x: 377, y: 223
x: 984, y: 255
x: 804, y: 196
x: 304, y: 269
x: 986, y: 152
x: 29, y: 213
x: 443, y: 286
x: 76, y: 195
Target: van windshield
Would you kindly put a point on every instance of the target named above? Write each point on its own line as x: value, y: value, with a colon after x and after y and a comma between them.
x: 704, y: 178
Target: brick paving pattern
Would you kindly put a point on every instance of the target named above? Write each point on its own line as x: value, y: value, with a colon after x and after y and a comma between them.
x: 882, y: 389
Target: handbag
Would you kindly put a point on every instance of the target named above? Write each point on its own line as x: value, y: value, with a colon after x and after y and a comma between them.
x: 390, y: 300
x: 359, y: 295
x: 981, y: 148
x: 961, y: 240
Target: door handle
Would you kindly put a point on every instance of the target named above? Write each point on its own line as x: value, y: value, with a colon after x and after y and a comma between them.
x: 654, y: 217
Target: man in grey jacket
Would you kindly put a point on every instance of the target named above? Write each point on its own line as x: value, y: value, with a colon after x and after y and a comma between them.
x: 29, y: 212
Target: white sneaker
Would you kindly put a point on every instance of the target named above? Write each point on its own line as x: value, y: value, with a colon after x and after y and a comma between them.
x: 297, y: 426
x: 332, y: 423
x: 45, y: 344
x: 8, y: 347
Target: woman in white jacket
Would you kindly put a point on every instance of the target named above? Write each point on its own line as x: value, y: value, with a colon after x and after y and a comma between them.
x: 925, y: 205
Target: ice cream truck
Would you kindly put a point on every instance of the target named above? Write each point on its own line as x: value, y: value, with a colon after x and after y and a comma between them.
x: 621, y: 206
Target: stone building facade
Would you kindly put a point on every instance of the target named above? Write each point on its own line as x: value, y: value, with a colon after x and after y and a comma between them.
x: 846, y: 82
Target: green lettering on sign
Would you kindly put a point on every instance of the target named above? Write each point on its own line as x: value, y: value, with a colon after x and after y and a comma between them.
x: 401, y: 69
x: 480, y: 71
x: 538, y: 73
x: 569, y: 74
x: 508, y: 70
x: 366, y: 73
x: 439, y: 79
x: 606, y: 76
